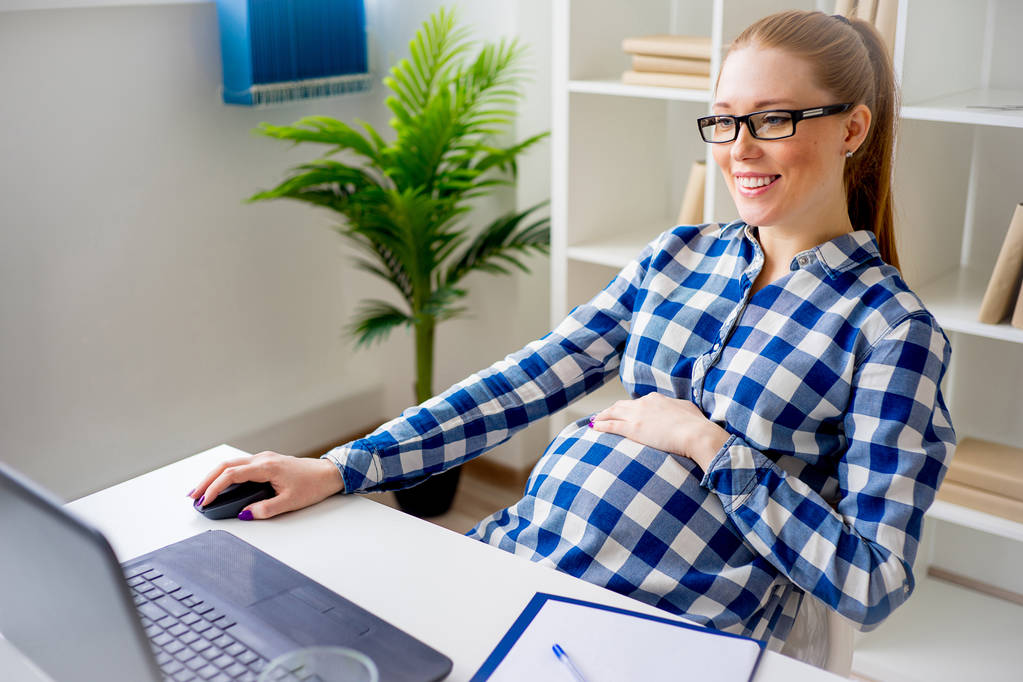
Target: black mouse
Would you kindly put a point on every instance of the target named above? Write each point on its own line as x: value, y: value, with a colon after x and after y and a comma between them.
x: 234, y: 498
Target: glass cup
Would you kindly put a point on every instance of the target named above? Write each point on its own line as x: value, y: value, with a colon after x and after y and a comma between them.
x: 321, y: 664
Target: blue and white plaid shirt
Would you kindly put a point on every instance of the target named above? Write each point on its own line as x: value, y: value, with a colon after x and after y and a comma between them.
x: 828, y: 381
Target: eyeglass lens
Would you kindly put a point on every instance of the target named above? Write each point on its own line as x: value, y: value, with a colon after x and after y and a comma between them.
x: 766, y: 125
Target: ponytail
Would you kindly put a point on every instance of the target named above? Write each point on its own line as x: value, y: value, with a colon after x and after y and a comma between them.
x: 868, y: 173
x: 850, y: 60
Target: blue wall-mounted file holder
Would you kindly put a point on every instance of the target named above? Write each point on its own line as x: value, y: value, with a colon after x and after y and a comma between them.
x: 276, y: 51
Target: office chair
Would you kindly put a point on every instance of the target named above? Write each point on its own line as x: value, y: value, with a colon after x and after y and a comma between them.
x: 816, y: 622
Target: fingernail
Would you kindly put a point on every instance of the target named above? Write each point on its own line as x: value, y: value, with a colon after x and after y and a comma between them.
x: 591, y: 423
x: 201, y: 500
x: 191, y: 493
x: 246, y: 515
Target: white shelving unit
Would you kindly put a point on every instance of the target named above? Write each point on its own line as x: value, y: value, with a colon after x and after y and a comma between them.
x: 621, y: 157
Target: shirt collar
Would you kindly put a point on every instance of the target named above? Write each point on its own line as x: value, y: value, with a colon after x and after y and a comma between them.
x: 837, y: 255
x: 844, y: 252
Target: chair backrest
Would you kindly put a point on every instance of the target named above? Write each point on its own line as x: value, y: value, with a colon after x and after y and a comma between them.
x: 821, y: 638
x: 840, y: 644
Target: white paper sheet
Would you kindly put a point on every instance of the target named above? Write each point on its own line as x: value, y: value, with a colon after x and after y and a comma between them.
x: 611, y: 647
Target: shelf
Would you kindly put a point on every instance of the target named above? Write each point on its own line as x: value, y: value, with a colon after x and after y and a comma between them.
x: 615, y: 253
x: 619, y: 250
x: 955, y: 300
x: 944, y: 632
x: 619, y: 89
x: 978, y: 520
x: 957, y: 108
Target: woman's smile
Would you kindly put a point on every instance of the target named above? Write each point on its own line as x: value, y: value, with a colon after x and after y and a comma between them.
x: 754, y: 184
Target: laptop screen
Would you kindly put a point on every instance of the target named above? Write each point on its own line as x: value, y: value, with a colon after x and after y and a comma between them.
x: 63, y: 600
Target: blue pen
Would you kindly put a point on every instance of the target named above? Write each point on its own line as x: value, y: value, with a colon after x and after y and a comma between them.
x: 563, y: 657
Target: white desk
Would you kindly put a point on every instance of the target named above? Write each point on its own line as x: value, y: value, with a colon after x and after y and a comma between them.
x: 456, y: 594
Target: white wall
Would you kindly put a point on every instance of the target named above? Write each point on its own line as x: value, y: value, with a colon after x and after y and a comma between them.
x: 145, y: 312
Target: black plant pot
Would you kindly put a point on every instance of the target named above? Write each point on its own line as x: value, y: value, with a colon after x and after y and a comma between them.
x: 432, y: 497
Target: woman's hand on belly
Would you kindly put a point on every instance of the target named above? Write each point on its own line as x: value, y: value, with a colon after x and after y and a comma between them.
x: 668, y: 424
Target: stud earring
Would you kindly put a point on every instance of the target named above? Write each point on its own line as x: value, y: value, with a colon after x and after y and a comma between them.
x: 848, y: 155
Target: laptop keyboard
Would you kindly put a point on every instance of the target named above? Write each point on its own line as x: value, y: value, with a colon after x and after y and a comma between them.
x: 190, y: 639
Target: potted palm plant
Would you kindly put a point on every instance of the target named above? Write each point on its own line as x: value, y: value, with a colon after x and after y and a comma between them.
x: 406, y: 203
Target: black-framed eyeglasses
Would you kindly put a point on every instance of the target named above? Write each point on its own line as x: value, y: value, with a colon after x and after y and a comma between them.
x: 773, y: 124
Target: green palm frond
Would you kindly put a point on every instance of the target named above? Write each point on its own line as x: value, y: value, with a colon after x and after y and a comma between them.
x: 375, y: 320
x: 324, y: 130
x: 433, y: 54
x: 324, y: 177
x: 440, y: 305
x: 500, y: 244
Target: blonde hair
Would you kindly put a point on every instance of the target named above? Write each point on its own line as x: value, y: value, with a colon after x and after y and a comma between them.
x: 850, y: 60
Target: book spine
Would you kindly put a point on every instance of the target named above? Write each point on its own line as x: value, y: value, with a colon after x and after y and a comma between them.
x: 644, y: 62
x: 985, y: 478
x: 1005, y: 279
x: 989, y: 466
x: 668, y: 46
x: 981, y: 500
x: 667, y: 80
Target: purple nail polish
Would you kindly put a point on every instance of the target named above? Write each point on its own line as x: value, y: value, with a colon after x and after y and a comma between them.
x: 591, y: 423
x: 246, y: 515
x: 201, y: 500
x: 191, y: 493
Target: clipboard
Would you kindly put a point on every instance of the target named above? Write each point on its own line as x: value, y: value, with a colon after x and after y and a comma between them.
x: 607, y: 643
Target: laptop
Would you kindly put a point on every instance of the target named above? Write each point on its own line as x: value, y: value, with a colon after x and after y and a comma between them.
x: 211, y: 607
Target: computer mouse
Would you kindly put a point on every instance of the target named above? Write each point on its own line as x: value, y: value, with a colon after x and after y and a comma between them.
x: 234, y: 498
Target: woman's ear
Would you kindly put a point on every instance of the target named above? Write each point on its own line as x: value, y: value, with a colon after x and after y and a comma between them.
x: 857, y: 124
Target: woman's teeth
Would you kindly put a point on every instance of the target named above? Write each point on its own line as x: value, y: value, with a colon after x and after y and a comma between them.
x: 758, y: 181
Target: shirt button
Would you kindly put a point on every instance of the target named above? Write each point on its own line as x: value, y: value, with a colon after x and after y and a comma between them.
x: 804, y: 260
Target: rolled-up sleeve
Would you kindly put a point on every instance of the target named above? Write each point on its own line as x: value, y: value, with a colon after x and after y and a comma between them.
x: 856, y: 557
x: 490, y: 406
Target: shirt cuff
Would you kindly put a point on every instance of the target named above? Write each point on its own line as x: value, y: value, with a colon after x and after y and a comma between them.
x: 733, y: 473
x: 358, y: 464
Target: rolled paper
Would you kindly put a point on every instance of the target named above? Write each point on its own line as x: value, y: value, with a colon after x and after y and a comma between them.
x: 866, y: 10
x: 887, y: 15
x: 847, y: 8
x: 1004, y: 286
x: 1017, y: 315
x: 691, y: 211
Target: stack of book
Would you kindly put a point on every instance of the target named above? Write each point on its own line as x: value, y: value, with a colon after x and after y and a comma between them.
x: 669, y: 61
x: 987, y: 477
x: 1004, y: 295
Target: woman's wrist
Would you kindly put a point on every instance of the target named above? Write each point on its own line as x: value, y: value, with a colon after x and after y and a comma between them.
x: 709, y: 444
x: 332, y: 478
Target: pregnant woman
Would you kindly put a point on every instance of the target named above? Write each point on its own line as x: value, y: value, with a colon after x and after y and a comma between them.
x: 786, y: 431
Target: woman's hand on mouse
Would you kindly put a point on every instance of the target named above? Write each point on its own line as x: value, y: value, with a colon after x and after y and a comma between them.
x: 298, y: 481
x: 668, y: 424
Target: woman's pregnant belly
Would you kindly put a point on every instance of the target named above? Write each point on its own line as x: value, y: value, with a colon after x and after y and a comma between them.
x: 636, y: 520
